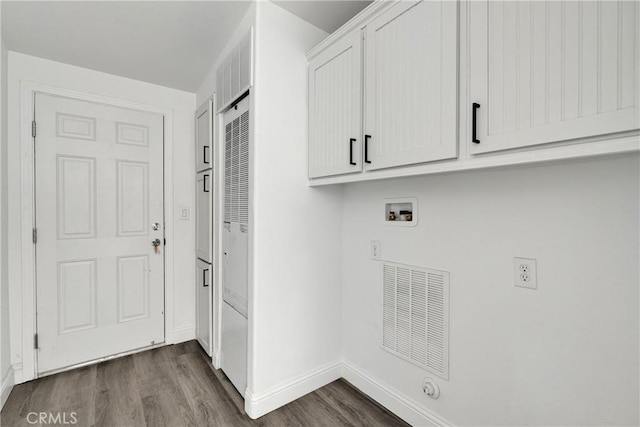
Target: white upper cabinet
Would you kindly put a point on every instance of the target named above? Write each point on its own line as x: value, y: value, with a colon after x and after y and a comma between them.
x: 335, y: 108
x: 204, y: 133
x: 411, y: 83
x: 385, y: 94
x: 543, y: 72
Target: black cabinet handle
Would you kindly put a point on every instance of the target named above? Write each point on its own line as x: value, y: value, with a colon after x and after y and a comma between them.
x: 366, y: 148
x: 205, y: 150
x: 204, y: 184
x: 474, y: 123
x: 351, y: 141
x: 204, y: 277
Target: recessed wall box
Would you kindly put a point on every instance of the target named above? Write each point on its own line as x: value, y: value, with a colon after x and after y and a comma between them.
x: 401, y: 211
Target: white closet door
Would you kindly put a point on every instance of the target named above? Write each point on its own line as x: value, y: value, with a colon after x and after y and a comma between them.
x: 411, y: 84
x: 548, y: 71
x: 203, y: 215
x: 203, y: 308
x: 235, y: 244
x: 335, y: 109
x: 204, y: 136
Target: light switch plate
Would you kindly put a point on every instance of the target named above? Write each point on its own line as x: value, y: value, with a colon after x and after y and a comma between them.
x: 184, y: 213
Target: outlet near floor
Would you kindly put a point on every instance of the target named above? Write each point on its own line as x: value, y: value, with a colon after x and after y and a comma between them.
x: 524, y: 273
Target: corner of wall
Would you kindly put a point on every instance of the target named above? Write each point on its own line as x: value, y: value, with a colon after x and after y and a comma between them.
x: 295, y: 288
x: 259, y: 404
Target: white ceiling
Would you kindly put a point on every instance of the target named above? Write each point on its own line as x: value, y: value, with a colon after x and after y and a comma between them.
x: 169, y: 43
x: 172, y: 44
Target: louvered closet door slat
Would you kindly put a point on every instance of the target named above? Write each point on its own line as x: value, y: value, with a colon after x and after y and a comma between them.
x: 235, y: 139
x: 243, y: 170
x: 227, y: 173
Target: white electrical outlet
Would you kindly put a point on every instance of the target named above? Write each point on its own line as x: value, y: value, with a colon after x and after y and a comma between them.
x: 375, y: 249
x: 524, y: 273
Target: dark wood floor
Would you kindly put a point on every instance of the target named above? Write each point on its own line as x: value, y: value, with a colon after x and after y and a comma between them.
x: 175, y: 386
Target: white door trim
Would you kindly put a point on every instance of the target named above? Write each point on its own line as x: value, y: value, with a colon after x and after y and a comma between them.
x: 27, y: 216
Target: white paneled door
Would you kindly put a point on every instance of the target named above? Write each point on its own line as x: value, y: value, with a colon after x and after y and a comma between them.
x: 99, y: 209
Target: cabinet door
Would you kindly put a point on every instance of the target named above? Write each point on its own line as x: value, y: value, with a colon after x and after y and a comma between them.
x: 335, y: 115
x: 204, y: 136
x: 411, y: 84
x: 203, y: 216
x: 203, y: 304
x: 548, y: 71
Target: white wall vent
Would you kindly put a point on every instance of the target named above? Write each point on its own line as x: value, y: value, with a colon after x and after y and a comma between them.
x: 234, y: 75
x: 236, y: 167
x: 415, y: 316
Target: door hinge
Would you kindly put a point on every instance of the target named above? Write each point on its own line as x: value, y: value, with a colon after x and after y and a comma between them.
x: 35, y: 341
x: 165, y: 242
x: 35, y: 236
x: 33, y: 128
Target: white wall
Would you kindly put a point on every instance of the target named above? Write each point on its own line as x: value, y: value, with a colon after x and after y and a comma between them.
x: 564, y: 354
x: 27, y: 68
x: 6, y: 374
x: 295, y: 293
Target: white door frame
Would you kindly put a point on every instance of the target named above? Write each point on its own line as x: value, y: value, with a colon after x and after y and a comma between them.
x: 27, y: 199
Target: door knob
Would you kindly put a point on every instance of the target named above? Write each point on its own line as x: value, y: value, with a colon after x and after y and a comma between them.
x: 156, y: 245
x: 155, y: 226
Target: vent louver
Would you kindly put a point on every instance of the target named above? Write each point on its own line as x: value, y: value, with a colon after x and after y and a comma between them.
x: 227, y: 173
x: 415, y: 316
x: 236, y: 170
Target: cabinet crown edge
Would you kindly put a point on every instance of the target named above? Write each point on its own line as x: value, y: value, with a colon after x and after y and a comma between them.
x: 354, y: 24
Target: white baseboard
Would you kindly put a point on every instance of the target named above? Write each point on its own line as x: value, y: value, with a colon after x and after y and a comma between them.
x: 215, y: 358
x: 257, y: 405
x: 6, y: 387
x: 18, y: 372
x: 393, y: 400
x: 183, y: 334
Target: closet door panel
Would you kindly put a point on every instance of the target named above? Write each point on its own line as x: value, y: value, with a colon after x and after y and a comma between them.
x: 203, y: 216
x: 204, y: 136
x: 203, y: 305
x: 549, y: 71
x: 335, y: 78
x: 411, y: 85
